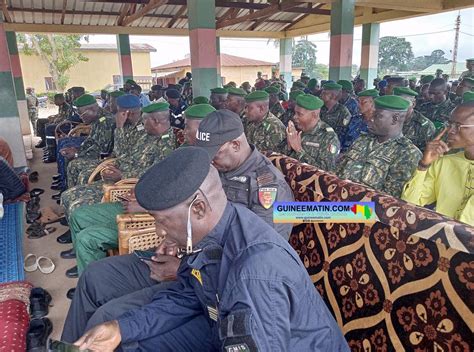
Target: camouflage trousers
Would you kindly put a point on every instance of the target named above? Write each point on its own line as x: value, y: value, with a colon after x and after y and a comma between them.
x: 79, y: 170
x: 33, y: 116
x: 80, y: 195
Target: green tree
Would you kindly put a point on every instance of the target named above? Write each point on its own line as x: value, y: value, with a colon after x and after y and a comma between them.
x: 421, y: 62
x: 304, y: 55
x: 321, y: 71
x: 395, y: 54
x: 58, y: 52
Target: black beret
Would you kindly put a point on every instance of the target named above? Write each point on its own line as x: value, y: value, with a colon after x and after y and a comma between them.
x: 173, y: 94
x: 174, y: 179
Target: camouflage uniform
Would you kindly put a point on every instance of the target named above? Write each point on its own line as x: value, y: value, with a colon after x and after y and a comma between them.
x: 466, y: 74
x: 266, y: 135
x: 287, y: 116
x: 419, y: 130
x: 320, y: 147
x: 439, y: 113
x: 32, y: 105
x: 62, y: 115
x: 277, y: 110
x: 338, y: 118
x: 100, y: 140
x: 145, y: 151
x: 385, y: 167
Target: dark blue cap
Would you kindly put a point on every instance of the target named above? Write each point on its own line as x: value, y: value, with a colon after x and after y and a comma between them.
x: 128, y: 101
x: 174, y: 179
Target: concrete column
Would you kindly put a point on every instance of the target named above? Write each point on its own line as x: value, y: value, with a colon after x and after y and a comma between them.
x: 10, y: 128
x: 18, y: 82
x: 218, y: 62
x: 286, y: 58
x: 202, y: 41
x: 125, y: 57
x: 342, y: 32
x: 370, y: 52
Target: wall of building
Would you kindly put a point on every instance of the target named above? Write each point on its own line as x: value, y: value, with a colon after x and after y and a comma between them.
x: 94, y: 74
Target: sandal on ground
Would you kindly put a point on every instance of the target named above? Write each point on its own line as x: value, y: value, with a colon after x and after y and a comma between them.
x: 30, y: 263
x: 33, y: 177
x: 41, y: 231
x: 45, y: 265
x: 35, y: 192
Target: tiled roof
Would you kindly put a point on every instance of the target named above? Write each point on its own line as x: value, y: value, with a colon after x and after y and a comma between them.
x: 226, y: 60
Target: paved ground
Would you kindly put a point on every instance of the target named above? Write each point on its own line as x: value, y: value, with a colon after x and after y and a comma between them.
x: 56, y: 283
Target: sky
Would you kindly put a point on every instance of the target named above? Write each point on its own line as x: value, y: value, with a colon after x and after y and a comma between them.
x: 426, y: 34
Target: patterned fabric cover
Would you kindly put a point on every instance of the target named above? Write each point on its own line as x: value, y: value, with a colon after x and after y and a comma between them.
x: 14, y: 318
x: 404, y: 283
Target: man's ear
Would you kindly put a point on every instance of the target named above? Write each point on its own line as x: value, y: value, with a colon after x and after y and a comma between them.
x: 199, y: 208
x: 235, y: 145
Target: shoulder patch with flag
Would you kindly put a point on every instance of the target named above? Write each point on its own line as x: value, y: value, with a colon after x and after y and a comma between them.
x: 332, y: 149
x: 267, y: 196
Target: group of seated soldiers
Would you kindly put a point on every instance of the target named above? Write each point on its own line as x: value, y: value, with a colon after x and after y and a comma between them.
x: 386, y: 140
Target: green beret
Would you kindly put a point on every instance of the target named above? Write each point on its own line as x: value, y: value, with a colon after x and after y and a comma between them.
x: 312, y: 83
x: 117, y: 93
x: 346, y: 85
x: 412, y: 79
x: 294, y: 94
x: 84, y: 100
x: 369, y: 93
x: 391, y: 102
x: 427, y: 79
x: 468, y: 96
x: 218, y: 90
x: 332, y: 86
x: 404, y: 91
x: 469, y: 80
x: 200, y: 100
x: 272, y: 90
x: 237, y: 91
x: 309, y: 102
x: 156, y: 107
x: 258, y: 95
x: 298, y: 84
x: 130, y: 81
x: 198, y: 111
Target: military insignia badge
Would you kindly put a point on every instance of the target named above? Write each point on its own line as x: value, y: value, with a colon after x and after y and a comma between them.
x: 267, y: 196
x: 332, y: 149
x: 197, y: 274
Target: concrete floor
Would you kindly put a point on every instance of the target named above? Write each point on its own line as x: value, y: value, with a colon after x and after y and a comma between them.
x: 56, y: 283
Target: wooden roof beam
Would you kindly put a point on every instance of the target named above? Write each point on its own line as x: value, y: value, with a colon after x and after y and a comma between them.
x: 63, y: 11
x: 268, y: 11
x: 5, y: 12
x: 152, y: 5
x: 178, y: 14
x: 125, y: 10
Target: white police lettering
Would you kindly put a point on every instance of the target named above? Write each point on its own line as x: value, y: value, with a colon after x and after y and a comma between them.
x: 203, y: 136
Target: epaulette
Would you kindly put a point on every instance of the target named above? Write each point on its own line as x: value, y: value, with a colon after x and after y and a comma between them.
x: 265, y: 176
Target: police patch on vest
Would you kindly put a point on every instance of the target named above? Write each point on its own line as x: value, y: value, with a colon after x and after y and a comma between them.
x: 267, y: 196
x: 197, y: 274
x: 240, y: 347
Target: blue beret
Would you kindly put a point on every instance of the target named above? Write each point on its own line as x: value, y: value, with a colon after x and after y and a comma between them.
x: 128, y: 101
x: 174, y: 179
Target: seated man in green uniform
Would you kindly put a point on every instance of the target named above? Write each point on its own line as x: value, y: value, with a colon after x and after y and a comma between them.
x: 290, y: 111
x: 440, y: 106
x: 83, y: 160
x: 93, y: 227
x: 274, y: 102
x: 218, y: 98
x: 383, y: 159
x: 262, y: 128
x: 417, y: 127
x: 312, y: 141
x: 333, y: 113
x: 236, y: 100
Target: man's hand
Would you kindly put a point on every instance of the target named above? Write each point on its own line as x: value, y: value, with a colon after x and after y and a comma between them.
x: 164, y: 265
x: 111, y: 174
x: 102, y: 338
x: 121, y: 117
x: 434, y: 149
x: 68, y: 152
x: 293, y: 137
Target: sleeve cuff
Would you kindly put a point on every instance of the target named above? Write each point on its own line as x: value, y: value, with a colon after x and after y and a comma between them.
x: 126, y: 327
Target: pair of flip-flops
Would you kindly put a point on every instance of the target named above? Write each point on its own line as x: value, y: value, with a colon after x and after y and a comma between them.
x: 43, y: 264
x: 38, y: 230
